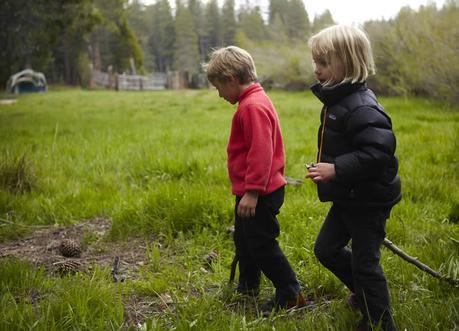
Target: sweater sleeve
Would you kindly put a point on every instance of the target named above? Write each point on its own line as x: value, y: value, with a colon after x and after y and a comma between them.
x: 258, y: 129
x: 373, y: 146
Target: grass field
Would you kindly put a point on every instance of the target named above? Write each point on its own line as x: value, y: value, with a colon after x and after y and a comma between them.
x: 155, y: 165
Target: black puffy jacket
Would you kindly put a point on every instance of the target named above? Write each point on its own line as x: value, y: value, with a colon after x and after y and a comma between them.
x: 357, y: 137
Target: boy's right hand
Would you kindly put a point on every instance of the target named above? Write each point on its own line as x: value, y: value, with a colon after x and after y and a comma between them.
x: 248, y: 204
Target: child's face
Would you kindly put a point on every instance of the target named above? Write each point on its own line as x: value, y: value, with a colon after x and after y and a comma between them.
x: 229, y: 90
x: 325, y: 73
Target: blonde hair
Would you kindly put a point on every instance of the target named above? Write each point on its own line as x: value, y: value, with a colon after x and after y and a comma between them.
x: 230, y: 62
x: 346, y: 46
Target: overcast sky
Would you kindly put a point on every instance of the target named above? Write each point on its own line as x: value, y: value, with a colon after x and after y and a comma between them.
x: 345, y: 11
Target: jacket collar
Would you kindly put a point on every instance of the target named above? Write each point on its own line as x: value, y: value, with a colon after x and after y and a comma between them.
x: 330, y: 95
x: 256, y: 87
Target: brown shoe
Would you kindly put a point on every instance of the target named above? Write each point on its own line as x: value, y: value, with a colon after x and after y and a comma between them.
x: 273, y: 305
x: 299, y: 302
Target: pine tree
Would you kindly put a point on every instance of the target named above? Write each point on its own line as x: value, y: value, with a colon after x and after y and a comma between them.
x: 197, y: 11
x: 276, y: 30
x: 186, y: 55
x: 228, y: 20
x: 297, y: 21
x: 277, y: 8
x: 322, y: 21
x: 213, y: 28
x: 162, y: 35
x: 252, y: 24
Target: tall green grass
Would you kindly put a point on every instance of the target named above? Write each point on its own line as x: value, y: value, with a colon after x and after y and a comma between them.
x: 156, y: 164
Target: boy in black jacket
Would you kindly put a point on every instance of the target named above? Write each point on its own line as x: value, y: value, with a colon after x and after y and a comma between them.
x: 356, y: 170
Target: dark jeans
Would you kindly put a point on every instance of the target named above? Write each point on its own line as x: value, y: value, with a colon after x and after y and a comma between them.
x: 358, y: 267
x: 258, y: 250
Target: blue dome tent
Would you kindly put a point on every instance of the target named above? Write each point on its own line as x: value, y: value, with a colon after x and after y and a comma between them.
x: 27, y: 81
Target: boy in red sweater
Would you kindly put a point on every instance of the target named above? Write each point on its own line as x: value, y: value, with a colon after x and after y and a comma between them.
x: 256, y: 169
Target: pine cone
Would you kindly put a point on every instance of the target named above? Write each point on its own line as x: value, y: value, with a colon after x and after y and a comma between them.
x: 67, y: 267
x: 70, y: 248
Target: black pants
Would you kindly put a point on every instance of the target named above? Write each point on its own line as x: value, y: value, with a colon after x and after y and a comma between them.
x: 258, y: 250
x: 358, y: 267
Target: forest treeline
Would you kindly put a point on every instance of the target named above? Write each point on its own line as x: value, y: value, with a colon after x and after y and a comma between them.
x: 416, y: 52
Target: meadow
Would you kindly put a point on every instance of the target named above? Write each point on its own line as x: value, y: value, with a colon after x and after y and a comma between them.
x: 154, y: 164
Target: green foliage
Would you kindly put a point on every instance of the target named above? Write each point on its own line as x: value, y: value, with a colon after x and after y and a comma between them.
x: 155, y: 164
x: 186, y: 53
x: 322, y: 21
x: 415, y: 54
x: 293, y: 70
x: 47, y: 36
x: 161, y: 36
x: 251, y: 23
x: 212, y: 24
x: 24, y: 43
x: 297, y: 20
x: 229, y: 24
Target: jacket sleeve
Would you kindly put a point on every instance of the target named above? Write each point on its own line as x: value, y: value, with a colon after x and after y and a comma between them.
x: 373, y: 145
x: 258, y: 130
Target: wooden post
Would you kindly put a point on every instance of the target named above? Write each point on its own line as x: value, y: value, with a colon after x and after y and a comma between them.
x: 91, y: 76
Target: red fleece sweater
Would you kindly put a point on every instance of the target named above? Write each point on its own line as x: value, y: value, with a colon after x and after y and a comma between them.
x: 255, y: 149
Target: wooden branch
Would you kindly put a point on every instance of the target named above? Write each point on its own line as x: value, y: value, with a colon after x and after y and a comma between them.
x: 417, y: 263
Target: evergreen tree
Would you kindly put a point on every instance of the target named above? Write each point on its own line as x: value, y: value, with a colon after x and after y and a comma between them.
x: 213, y: 28
x: 277, y: 31
x: 27, y: 34
x: 162, y: 35
x: 277, y: 8
x: 137, y: 15
x: 297, y: 21
x: 74, y: 21
x: 113, y: 42
x: 126, y: 47
x: 228, y: 23
x: 252, y: 24
x: 186, y: 56
x: 197, y: 11
x: 322, y: 21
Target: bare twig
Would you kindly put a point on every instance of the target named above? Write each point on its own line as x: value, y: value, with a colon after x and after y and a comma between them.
x: 413, y: 260
x: 294, y: 181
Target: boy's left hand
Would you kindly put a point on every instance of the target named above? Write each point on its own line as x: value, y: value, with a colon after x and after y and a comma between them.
x: 248, y: 204
x: 321, y: 172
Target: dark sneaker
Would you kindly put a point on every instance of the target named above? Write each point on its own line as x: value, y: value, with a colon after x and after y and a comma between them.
x: 275, y: 305
x: 352, y: 301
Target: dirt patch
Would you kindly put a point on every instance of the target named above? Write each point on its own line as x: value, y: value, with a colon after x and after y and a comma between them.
x: 41, y: 248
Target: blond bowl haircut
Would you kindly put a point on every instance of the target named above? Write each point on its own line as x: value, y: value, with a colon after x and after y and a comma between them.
x: 230, y: 62
x: 347, y: 46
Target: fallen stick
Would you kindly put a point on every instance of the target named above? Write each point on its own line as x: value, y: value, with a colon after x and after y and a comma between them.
x: 413, y: 260
x: 388, y: 244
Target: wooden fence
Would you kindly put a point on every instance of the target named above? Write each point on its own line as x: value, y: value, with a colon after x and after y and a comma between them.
x: 157, y: 81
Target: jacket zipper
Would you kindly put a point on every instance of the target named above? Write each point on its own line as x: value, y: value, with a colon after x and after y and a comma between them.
x: 322, y: 135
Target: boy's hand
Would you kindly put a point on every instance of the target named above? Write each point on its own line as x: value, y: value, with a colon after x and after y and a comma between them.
x: 247, y: 205
x: 321, y: 172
